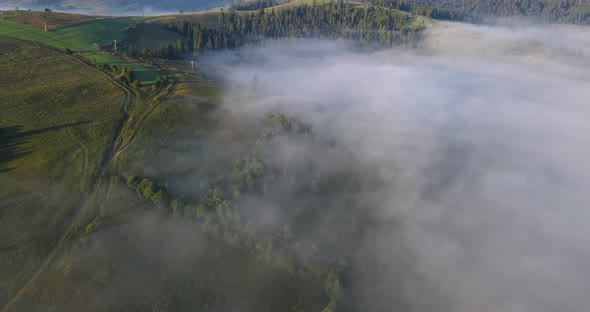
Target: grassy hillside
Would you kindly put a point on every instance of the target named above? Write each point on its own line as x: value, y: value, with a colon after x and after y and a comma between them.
x: 154, y: 211
x: 81, y: 38
x: 207, y: 19
x: 54, y: 20
x: 141, y: 260
x: 152, y: 36
x: 75, y: 237
x: 116, y: 7
x: 56, y: 128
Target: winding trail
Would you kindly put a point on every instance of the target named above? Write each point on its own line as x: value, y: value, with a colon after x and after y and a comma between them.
x: 136, y: 128
x: 71, y: 223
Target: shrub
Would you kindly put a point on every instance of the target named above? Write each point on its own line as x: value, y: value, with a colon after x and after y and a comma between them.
x: 90, y: 228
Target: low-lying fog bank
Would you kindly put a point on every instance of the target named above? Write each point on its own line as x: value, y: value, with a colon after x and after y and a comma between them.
x: 481, y: 136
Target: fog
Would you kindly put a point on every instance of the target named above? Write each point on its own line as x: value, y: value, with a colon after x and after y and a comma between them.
x: 480, y: 137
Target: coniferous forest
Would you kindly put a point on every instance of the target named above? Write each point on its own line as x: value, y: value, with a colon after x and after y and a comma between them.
x: 376, y: 25
x: 548, y: 11
x: 368, y: 25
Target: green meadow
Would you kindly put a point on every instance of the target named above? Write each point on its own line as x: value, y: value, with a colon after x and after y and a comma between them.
x: 82, y: 38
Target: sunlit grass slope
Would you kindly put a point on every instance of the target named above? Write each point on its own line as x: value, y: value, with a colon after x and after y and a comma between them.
x: 81, y: 38
x: 58, y: 117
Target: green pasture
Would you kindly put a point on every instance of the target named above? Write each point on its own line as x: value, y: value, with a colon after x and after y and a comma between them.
x: 81, y: 39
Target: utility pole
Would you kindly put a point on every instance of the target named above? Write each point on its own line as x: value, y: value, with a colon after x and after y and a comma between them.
x: 115, y: 44
x: 192, y: 64
x: 45, y: 26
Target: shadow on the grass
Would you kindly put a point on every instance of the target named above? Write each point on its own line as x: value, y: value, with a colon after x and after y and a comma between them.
x: 12, y: 140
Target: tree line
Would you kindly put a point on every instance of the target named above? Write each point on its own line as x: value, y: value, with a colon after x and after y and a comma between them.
x: 476, y: 11
x: 121, y: 73
x: 368, y: 25
x: 217, y: 213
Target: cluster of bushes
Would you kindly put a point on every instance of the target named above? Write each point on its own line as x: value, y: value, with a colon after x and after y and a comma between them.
x: 163, y: 53
x: 280, y: 124
x: 124, y: 74
x: 217, y: 213
x: 248, y: 175
x: 131, y: 51
x: 167, y: 51
x: 160, y: 83
x: 212, y: 210
x: 154, y: 192
x: 218, y: 216
x: 284, y: 123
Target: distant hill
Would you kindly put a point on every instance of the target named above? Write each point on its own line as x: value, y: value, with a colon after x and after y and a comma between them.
x: 551, y: 11
x: 115, y: 7
x: 547, y: 11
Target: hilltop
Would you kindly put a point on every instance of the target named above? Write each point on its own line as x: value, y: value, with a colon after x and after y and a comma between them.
x: 115, y: 7
x: 54, y: 20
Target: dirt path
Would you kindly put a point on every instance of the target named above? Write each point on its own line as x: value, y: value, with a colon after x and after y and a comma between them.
x: 71, y: 223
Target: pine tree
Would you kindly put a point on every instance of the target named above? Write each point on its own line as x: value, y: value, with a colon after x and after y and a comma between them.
x: 179, y: 46
x: 197, y: 41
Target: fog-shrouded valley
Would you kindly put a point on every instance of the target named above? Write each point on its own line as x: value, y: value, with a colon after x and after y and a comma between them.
x: 295, y: 156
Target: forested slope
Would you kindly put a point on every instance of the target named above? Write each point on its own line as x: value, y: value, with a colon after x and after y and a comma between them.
x: 549, y: 11
x: 366, y: 25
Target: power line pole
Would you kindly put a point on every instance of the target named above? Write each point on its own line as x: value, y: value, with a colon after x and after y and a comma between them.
x: 192, y: 64
x: 115, y: 44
